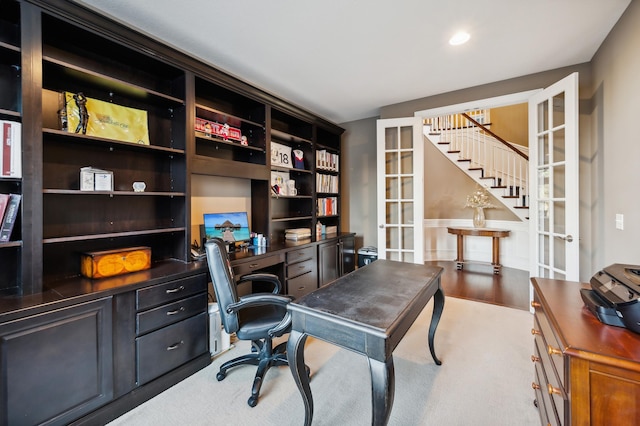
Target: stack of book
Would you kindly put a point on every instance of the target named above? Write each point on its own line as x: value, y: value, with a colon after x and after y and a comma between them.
x: 9, y: 204
x: 297, y: 234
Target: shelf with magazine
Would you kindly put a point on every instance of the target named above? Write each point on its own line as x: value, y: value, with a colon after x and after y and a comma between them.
x: 230, y: 133
x: 113, y: 150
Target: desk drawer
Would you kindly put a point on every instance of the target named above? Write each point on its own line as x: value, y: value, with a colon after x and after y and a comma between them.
x: 164, y: 293
x: 165, y: 349
x: 240, y: 269
x: 301, y: 254
x: 300, y: 268
x: 170, y: 313
x: 301, y: 285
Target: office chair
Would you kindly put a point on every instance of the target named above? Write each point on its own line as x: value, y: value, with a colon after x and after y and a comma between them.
x: 257, y: 317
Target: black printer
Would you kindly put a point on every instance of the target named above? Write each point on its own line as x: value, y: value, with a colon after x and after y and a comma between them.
x: 614, y: 297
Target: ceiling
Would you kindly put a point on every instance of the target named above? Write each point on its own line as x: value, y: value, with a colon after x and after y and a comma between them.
x: 343, y: 60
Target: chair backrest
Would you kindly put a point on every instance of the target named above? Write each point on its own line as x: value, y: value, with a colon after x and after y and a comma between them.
x: 223, y: 281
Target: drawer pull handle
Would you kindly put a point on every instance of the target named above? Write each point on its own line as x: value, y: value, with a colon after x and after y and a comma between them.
x: 535, y: 386
x: 535, y: 358
x: 535, y: 332
x: 553, y: 390
x: 175, y: 345
x: 553, y: 351
x: 175, y: 290
x: 254, y: 265
x: 176, y: 311
x: 535, y: 305
x: 300, y: 288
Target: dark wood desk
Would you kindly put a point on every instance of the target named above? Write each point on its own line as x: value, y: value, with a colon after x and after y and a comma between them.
x: 495, y: 234
x: 367, y: 311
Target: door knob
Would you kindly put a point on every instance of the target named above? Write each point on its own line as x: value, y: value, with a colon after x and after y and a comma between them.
x: 567, y: 238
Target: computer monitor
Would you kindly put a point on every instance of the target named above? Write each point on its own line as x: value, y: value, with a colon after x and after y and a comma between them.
x: 230, y: 227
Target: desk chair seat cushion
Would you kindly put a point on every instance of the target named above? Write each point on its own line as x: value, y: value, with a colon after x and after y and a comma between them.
x: 256, y: 322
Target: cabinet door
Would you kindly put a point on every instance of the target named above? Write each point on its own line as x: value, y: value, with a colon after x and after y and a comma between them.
x: 328, y: 263
x: 348, y: 249
x: 56, y: 366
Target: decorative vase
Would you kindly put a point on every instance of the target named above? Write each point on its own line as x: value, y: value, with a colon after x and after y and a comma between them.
x: 478, y: 218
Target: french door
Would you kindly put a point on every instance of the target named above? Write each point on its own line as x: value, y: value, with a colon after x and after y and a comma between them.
x: 400, y: 189
x: 553, y: 168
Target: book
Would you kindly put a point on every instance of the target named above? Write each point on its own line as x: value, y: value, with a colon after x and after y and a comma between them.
x: 11, y: 152
x: 9, y: 218
x: 4, y: 200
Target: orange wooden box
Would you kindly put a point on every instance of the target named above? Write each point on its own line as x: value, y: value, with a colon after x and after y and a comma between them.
x: 101, y: 264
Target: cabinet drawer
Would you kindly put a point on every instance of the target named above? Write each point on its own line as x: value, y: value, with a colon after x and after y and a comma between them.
x: 170, y: 313
x: 555, y: 403
x: 253, y: 265
x: 551, y: 346
x: 548, y: 414
x: 164, y: 293
x: 301, y: 285
x: 301, y: 254
x: 300, y: 268
x: 170, y: 347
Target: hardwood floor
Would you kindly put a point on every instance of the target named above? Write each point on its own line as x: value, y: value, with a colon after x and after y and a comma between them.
x: 478, y: 282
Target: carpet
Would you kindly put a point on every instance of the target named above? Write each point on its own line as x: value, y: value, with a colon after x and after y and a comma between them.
x: 485, y: 379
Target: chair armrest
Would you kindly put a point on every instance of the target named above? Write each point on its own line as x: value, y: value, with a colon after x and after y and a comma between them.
x: 263, y: 276
x: 259, y: 299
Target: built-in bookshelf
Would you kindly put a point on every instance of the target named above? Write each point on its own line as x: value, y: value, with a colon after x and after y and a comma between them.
x: 10, y: 112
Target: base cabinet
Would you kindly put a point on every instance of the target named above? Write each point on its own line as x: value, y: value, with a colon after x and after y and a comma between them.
x: 56, y: 366
x: 335, y: 259
x: 586, y: 373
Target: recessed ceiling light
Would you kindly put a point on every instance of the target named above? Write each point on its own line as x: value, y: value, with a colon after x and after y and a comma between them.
x: 459, y: 38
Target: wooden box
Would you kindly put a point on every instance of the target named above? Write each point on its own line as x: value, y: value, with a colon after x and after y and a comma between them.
x: 101, y: 264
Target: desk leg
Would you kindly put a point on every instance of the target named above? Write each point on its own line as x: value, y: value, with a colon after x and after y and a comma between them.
x: 295, y: 355
x: 460, y: 257
x: 438, y: 307
x: 382, y: 389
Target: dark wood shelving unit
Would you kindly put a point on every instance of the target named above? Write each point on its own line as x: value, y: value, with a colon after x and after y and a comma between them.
x: 51, y: 47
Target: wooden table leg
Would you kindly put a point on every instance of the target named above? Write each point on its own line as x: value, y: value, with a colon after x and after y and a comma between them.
x: 496, y: 255
x: 460, y: 257
x: 382, y: 390
x: 295, y: 354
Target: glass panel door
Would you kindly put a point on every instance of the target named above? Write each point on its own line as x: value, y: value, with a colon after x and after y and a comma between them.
x: 553, y: 136
x: 400, y: 157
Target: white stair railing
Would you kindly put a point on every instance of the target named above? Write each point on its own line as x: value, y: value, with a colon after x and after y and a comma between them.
x: 502, y: 166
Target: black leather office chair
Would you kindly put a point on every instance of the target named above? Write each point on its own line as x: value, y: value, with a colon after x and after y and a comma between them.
x: 257, y: 317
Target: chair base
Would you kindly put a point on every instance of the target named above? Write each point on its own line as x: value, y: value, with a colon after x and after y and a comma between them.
x: 265, y: 357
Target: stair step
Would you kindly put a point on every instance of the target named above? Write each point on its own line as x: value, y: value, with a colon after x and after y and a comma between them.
x: 521, y: 207
x: 461, y: 160
x: 511, y: 196
x: 476, y: 168
x: 453, y: 152
x: 499, y: 187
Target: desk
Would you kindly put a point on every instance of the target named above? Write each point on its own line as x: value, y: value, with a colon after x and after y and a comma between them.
x: 495, y: 234
x: 367, y: 311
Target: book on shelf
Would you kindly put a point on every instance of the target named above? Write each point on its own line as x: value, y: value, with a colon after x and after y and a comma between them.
x: 9, y: 219
x: 11, y: 152
x: 297, y: 234
x: 327, y: 161
x: 4, y: 201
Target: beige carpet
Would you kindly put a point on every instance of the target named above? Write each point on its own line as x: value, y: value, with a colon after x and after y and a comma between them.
x: 485, y: 379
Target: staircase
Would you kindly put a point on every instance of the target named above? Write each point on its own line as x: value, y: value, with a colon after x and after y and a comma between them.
x: 500, y: 166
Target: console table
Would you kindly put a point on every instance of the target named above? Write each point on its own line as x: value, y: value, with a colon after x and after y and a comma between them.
x: 495, y: 234
x: 367, y: 311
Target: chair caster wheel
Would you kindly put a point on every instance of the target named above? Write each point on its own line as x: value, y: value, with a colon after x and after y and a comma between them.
x: 253, y: 401
x: 220, y: 376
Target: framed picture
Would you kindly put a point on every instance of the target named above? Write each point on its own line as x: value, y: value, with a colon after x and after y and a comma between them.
x: 281, y: 155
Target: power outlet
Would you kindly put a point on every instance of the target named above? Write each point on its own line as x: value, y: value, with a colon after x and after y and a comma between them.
x: 619, y: 221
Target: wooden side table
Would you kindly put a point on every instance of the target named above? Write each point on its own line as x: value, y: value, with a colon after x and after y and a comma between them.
x: 495, y: 234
